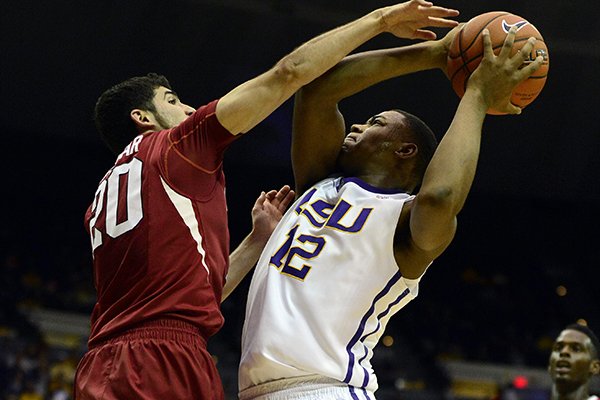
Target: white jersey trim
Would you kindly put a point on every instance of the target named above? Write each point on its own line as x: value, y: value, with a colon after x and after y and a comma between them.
x: 309, y: 387
x: 184, y: 207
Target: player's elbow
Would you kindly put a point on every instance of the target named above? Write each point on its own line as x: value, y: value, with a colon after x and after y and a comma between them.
x: 296, y: 70
x: 441, y: 198
x: 296, y: 74
x: 289, y: 72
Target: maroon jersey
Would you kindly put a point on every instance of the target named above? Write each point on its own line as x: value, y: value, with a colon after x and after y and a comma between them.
x: 158, y: 226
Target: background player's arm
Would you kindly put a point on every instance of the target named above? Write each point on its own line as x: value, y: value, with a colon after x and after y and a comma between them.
x: 319, y: 128
x: 266, y: 213
x: 248, y: 104
x: 450, y: 173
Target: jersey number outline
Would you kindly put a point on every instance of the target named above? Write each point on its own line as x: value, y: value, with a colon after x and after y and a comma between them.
x: 111, y: 186
x: 289, y: 252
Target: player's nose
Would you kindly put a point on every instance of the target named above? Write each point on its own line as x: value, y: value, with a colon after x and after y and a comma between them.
x: 188, y: 109
x: 356, y: 128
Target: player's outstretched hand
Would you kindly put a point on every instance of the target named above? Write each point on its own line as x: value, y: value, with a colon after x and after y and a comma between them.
x: 497, y: 76
x: 407, y: 20
x: 268, y: 210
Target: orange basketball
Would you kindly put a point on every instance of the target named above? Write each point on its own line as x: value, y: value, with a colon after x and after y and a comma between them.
x: 466, y: 52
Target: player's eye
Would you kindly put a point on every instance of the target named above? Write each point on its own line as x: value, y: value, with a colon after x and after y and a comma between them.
x: 173, y: 101
x: 556, y: 347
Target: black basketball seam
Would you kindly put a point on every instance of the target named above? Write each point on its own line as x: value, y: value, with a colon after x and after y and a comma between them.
x: 481, y: 30
x: 462, y: 51
x: 461, y: 56
x: 469, y: 72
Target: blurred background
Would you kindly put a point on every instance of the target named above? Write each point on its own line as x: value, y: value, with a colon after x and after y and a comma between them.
x: 525, y: 259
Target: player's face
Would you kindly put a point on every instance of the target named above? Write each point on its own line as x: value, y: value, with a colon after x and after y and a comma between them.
x: 170, y: 111
x: 571, y: 358
x: 377, y: 137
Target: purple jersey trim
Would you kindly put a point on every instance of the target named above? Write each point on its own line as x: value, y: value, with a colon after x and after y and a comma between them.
x: 355, y: 396
x: 383, y: 314
x: 358, y: 335
x: 368, y: 187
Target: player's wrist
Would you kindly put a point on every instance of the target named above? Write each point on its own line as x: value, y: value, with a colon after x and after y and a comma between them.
x: 477, y: 97
x: 259, y: 236
x: 437, y: 53
x: 377, y: 17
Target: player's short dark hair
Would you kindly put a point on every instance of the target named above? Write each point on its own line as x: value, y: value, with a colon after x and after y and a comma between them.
x: 589, y: 333
x: 111, y: 114
x: 424, y: 138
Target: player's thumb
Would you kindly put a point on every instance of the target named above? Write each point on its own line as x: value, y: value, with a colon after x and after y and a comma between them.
x: 514, y: 110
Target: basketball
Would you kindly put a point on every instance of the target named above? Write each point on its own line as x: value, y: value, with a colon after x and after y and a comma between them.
x: 466, y: 52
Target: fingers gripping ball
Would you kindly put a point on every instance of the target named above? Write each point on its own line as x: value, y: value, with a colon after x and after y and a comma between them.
x: 466, y: 52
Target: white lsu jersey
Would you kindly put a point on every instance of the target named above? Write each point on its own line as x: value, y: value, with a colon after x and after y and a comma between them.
x: 325, y: 287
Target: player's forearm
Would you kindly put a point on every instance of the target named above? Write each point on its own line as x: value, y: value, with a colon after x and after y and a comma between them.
x: 451, y: 171
x: 318, y: 55
x: 248, y: 104
x: 362, y: 70
x: 241, y: 261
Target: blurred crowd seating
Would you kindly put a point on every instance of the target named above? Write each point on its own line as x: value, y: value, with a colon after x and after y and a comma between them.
x: 457, y: 316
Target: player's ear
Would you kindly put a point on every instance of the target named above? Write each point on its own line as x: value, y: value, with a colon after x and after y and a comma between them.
x: 595, y: 367
x: 407, y: 150
x: 141, y: 118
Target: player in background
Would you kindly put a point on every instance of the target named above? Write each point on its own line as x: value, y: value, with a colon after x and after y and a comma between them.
x: 158, y: 220
x: 573, y: 362
x: 375, y: 207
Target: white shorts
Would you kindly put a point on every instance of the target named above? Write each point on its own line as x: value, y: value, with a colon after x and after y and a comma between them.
x: 312, y: 387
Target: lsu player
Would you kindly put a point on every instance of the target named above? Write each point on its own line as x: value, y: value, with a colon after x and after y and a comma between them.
x: 376, y: 207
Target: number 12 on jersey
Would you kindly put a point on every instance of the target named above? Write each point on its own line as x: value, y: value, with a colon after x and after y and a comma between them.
x: 286, y: 253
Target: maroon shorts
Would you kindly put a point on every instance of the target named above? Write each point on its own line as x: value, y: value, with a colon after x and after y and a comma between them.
x: 164, y: 359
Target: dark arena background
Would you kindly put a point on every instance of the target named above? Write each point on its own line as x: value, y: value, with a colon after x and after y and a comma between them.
x: 525, y: 259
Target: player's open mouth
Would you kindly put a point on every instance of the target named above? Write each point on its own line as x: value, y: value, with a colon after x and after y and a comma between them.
x: 563, y: 365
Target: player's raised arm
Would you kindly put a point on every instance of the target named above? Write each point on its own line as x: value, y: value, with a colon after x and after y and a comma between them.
x: 450, y: 173
x: 266, y: 213
x: 319, y: 128
x: 251, y: 102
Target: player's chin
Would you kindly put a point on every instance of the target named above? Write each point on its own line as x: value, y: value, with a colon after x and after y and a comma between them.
x: 347, y: 146
x: 561, y: 376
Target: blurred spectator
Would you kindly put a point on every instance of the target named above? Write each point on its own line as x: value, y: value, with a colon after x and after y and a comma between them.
x: 574, y: 361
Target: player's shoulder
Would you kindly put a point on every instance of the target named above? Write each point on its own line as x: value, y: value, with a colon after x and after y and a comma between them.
x: 404, y: 218
x: 138, y: 147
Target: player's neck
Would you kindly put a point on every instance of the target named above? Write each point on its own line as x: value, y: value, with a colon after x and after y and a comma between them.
x: 385, y: 181
x: 580, y: 393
